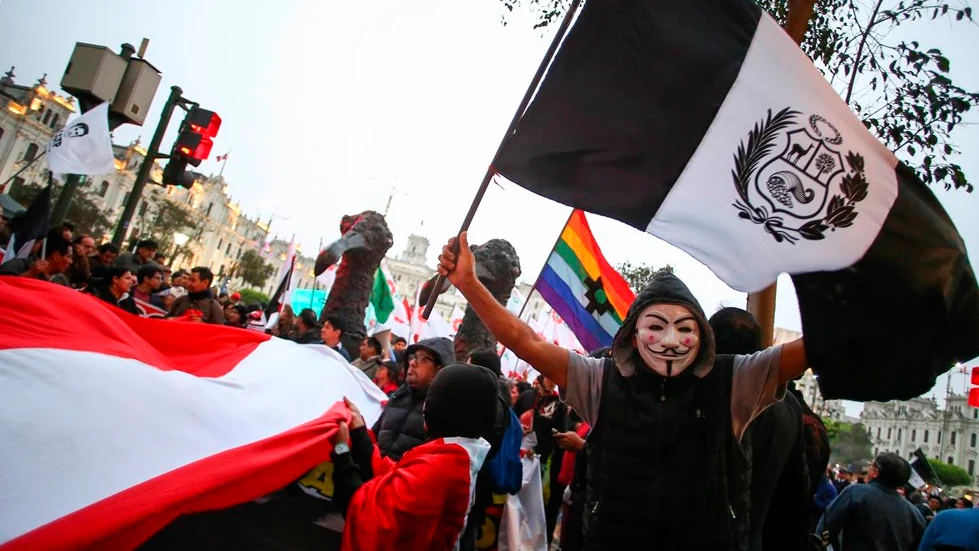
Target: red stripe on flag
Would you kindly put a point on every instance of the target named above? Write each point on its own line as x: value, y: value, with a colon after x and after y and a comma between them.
x: 36, y: 314
x: 129, y: 518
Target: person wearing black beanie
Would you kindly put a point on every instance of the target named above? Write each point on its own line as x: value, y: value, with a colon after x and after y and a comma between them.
x: 423, y: 500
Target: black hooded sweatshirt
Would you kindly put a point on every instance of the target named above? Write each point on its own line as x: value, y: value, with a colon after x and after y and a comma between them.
x: 665, y: 470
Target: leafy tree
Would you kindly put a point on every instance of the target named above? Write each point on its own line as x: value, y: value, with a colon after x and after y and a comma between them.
x: 252, y: 269
x: 848, y: 443
x: 950, y: 475
x: 166, y: 218
x: 901, y: 89
x: 87, y: 217
x: 638, y: 275
x: 253, y: 296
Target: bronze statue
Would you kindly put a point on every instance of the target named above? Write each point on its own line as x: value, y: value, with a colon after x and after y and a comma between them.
x: 364, y: 241
x: 498, y: 267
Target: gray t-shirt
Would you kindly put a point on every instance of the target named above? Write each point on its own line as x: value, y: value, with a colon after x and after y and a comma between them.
x: 754, y: 388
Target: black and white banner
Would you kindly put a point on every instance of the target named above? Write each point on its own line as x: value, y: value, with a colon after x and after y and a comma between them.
x: 83, y: 146
x: 703, y: 123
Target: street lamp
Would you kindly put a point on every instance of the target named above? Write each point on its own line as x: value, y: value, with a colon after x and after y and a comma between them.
x: 179, y: 240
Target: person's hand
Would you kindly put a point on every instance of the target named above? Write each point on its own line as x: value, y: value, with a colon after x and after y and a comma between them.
x: 356, y: 418
x: 342, y: 434
x: 569, y: 441
x: 38, y: 268
x: 459, y: 268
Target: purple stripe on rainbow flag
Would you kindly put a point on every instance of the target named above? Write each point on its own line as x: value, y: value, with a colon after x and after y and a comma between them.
x: 555, y: 291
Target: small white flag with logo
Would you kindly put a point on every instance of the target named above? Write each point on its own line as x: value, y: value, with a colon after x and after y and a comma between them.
x: 83, y: 146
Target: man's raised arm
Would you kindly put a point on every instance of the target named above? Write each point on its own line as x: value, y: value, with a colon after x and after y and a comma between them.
x: 549, y: 359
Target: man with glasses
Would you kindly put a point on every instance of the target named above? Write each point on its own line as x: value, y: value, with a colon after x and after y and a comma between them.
x: 874, y: 516
x: 149, y: 279
x: 401, y: 425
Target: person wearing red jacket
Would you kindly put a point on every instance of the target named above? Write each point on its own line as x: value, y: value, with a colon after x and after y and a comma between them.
x: 423, y: 500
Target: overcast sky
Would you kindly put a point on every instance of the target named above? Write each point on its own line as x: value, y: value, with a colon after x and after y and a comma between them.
x: 329, y: 106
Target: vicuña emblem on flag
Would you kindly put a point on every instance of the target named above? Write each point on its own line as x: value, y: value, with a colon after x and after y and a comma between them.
x: 797, y: 181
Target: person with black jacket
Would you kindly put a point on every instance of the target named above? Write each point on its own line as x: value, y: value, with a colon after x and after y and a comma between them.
x: 114, y: 288
x: 667, y: 414
x: 401, y: 426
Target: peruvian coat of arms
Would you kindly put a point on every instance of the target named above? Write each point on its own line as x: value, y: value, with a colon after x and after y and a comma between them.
x: 794, y: 180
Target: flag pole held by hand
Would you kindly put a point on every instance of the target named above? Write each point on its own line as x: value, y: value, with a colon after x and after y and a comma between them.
x: 490, y: 171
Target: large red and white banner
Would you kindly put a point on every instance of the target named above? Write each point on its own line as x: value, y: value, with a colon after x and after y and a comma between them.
x: 112, y: 425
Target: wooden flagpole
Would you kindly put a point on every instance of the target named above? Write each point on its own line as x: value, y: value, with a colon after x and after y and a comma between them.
x: 762, y: 304
x: 490, y: 171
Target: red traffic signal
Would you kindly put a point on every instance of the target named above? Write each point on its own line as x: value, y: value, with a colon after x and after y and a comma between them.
x: 203, y: 122
x: 974, y: 392
x: 194, y: 142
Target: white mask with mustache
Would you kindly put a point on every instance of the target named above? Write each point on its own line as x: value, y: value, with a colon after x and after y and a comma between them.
x: 668, y: 338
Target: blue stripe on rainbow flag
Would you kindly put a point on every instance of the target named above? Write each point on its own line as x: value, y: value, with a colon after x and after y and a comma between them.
x: 556, y: 292
x: 577, y: 288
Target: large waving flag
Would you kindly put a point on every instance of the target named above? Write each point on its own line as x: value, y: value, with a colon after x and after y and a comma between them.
x: 582, y: 287
x: 111, y: 430
x: 703, y: 123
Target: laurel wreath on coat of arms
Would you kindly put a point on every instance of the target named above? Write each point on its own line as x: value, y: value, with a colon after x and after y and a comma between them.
x: 840, y: 212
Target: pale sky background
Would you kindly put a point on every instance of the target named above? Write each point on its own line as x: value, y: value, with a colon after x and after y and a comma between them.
x: 329, y: 106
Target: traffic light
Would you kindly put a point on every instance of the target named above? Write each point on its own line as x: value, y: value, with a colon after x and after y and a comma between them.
x: 196, y: 132
x: 974, y: 391
x: 193, y: 145
x: 174, y: 174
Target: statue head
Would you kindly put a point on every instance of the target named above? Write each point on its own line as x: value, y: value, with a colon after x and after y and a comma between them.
x: 365, y: 237
x: 497, y: 266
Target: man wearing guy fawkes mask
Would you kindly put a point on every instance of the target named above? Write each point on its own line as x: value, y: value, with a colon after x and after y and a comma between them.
x: 666, y: 467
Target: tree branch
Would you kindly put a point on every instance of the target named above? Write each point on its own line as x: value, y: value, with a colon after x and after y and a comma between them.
x: 856, y: 60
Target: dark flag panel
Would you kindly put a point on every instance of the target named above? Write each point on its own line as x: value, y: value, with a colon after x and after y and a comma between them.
x: 32, y: 224
x: 702, y: 123
x: 275, y: 303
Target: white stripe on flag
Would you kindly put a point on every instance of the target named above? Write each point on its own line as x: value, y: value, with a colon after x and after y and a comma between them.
x: 698, y: 214
x: 78, y: 427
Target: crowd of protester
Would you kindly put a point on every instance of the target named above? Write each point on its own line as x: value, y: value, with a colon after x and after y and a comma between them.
x: 796, y: 500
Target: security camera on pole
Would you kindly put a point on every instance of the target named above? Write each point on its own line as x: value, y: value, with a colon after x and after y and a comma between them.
x: 96, y: 75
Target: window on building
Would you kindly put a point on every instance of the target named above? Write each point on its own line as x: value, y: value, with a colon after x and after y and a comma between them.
x: 104, y: 188
x: 220, y: 242
x: 47, y: 118
x: 939, y: 437
x: 209, y: 205
x: 914, y: 434
x: 54, y: 121
x: 953, y: 438
x: 950, y: 462
x: 1, y: 133
x: 125, y: 199
x: 878, y: 434
x: 972, y: 440
x: 975, y: 412
x: 888, y: 433
x: 972, y: 467
x: 142, y: 208
x: 31, y: 152
x: 876, y: 452
x: 926, y: 436
x: 228, y: 251
x: 899, y: 431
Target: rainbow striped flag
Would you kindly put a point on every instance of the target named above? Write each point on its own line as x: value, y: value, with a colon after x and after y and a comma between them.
x: 583, y: 288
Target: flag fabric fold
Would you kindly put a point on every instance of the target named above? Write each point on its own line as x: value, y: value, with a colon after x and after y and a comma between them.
x: 84, y: 145
x: 704, y: 124
x: 582, y: 287
x: 30, y: 226
x: 115, y: 428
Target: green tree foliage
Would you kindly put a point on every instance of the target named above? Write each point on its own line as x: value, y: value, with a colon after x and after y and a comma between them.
x: 253, y: 296
x: 848, y: 442
x: 163, y: 219
x: 83, y: 212
x: 899, y: 87
x: 638, y: 275
x: 253, y: 270
x: 950, y: 475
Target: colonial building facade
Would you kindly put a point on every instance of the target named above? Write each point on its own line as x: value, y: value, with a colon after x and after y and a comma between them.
x: 29, y: 117
x: 949, y: 435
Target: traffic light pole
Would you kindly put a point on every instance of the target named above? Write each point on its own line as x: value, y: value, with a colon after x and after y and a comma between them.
x: 144, y: 169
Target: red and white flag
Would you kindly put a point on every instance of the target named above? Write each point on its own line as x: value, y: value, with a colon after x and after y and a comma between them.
x: 112, y: 425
